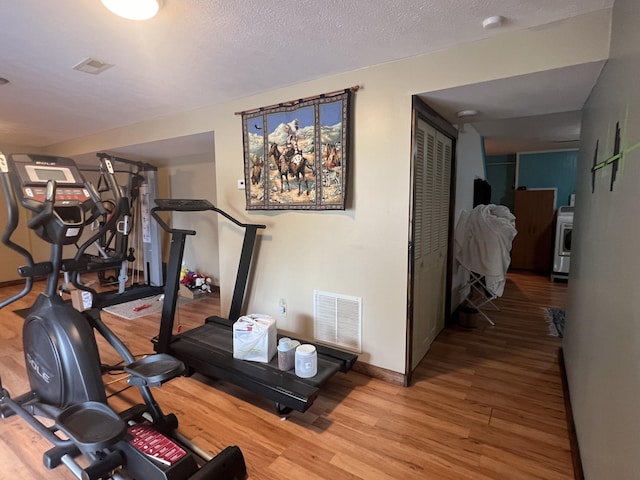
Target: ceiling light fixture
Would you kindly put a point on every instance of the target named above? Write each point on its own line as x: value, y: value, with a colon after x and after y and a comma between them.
x: 133, y: 9
x: 491, y: 22
x: 467, y: 113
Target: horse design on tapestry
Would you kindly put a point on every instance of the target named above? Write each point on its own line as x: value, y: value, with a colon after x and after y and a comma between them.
x: 291, y: 162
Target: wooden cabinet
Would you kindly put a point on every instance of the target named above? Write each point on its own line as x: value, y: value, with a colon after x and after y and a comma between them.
x: 532, y: 248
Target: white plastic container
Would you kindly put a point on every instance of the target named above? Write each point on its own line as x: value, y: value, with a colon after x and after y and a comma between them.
x: 287, y: 353
x: 306, y: 361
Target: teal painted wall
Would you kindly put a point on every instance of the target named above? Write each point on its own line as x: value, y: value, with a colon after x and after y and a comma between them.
x: 549, y: 170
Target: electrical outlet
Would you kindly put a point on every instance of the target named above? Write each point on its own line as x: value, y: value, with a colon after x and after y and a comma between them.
x: 282, y: 307
x: 240, y: 184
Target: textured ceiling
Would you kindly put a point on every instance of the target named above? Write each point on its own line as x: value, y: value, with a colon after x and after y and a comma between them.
x: 202, y: 52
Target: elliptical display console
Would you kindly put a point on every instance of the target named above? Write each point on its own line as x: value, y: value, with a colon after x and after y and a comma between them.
x: 72, y: 196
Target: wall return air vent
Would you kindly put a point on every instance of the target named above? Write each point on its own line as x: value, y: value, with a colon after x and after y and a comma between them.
x: 338, y: 320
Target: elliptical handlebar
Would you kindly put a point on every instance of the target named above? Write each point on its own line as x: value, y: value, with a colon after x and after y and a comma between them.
x: 106, y: 168
x: 47, y: 207
x: 12, y: 224
x: 121, y: 206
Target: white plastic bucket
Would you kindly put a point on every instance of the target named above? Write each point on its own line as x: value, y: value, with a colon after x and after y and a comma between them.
x: 306, y: 361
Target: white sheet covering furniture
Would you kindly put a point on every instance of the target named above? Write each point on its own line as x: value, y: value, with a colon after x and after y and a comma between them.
x: 483, y: 240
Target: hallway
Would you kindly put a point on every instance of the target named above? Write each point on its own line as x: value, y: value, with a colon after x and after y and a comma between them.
x: 505, y: 382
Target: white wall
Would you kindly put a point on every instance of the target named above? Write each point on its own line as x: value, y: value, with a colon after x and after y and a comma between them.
x: 602, y: 337
x: 363, y: 250
x: 470, y: 165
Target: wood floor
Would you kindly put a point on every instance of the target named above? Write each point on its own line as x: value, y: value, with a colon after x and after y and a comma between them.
x: 486, y: 403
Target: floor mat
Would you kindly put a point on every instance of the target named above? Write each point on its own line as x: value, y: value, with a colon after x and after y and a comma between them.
x: 555, y: 319
x: 144, y: 306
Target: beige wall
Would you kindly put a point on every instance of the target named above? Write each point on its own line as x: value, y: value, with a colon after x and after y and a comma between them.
x: 363, y: 250
x: 195, y: 177
x: 602, y: 337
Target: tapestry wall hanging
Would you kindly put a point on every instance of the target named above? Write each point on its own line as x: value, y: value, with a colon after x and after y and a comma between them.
x: 296, y: 153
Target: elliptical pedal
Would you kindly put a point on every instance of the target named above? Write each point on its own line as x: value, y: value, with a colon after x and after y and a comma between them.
x: 154, y: 370
x: 106, y: 426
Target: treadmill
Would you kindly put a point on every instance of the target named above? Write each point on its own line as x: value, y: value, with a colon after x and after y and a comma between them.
x: 208, y: 349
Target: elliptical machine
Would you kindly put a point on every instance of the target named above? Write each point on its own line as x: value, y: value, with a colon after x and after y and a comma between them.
x: 61, y: 351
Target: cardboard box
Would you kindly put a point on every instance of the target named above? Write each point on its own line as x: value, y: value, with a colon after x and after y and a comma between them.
x: 255, y: 338
x: 186, y: 292
x: 81, y: 300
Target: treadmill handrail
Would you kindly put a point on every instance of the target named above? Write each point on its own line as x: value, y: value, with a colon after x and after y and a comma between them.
x: 165, y: 226
x: 173, y: 205
x: 176, y: 254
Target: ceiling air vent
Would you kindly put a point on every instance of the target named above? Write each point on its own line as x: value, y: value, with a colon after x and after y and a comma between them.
x: 92, y: 66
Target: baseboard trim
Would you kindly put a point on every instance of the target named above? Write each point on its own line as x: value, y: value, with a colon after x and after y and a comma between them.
x: 380, y: 373
x: 10, y: 283
x: 578, y: 473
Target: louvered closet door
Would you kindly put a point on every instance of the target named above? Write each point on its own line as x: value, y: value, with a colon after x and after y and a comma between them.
x: 432, y: 175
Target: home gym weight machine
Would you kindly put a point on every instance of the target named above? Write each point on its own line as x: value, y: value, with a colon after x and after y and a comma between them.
x: 114, y: 250
x: 61, y: 353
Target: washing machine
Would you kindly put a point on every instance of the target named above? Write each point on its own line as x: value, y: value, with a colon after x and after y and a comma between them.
x: 562, y: 248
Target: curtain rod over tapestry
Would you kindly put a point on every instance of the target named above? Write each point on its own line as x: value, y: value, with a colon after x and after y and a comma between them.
x: 296, y: 153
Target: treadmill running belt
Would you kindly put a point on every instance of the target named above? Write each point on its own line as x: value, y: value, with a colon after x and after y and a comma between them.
x: 208, y: 349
